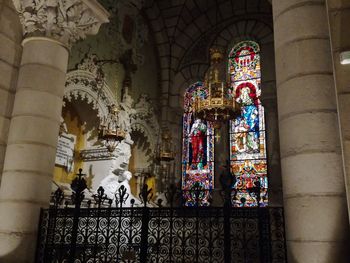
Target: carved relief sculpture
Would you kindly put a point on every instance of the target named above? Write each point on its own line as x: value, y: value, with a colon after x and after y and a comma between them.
x: 66, y: 21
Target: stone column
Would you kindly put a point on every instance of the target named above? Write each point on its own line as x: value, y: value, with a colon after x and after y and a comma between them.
x: 313, y: 183
x: 50, y: 27
x: 10, y: 55
x: 273, y: 151
x: 339, y: 21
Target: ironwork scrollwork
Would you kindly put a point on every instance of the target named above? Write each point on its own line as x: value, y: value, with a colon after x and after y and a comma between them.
x: 146, y: 194
x: 121, y: 196
x: 78, y: 186
x: 57, y: 198
x: 100, y: 232
x: 100, y: 197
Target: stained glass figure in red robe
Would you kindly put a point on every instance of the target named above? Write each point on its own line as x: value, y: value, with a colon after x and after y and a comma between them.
x: 197, y: 137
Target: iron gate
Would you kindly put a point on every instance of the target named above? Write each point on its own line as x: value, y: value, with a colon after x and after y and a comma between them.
x: 99, y: 231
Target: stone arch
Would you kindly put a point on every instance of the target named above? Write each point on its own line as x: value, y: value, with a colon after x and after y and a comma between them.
x: 82, y: 84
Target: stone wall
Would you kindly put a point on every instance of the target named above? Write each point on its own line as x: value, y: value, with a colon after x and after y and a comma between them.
x: 127, y: 30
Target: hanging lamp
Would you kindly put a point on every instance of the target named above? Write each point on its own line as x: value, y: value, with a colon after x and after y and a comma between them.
x: 165, y: 149
x: 220, y: 104
x: 109, y: 131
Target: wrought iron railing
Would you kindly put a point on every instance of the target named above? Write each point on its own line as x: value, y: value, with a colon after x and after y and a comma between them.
x: 102, y: 230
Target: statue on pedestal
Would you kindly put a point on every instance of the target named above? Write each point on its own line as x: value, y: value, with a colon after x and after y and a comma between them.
x: 118, y: 174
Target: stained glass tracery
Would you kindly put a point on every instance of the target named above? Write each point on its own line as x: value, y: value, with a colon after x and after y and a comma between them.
x: 198, y: 151
x: 247, y: 131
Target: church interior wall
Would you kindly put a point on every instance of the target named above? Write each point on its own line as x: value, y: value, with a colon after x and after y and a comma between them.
x: 128, y: 30
x: 81, y: 121
x: 295, y: 108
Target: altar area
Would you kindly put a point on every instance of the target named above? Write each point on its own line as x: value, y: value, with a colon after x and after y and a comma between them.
x: 129, y: 163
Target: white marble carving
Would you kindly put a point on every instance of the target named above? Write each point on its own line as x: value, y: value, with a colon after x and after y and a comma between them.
x: 66, y: 21
x: 115, y: 182
x: 101, y: 161
x: 97, y: 161
x: 126, y: 112
x: 81, y: 84
x: 118, y: 174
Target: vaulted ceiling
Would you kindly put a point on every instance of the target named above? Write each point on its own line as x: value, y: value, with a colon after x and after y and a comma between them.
x: 184, y: 30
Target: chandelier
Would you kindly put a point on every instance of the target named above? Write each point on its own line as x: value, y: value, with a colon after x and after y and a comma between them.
x: 165, y: 150
x: 109, y: 131
x: 219, y: 105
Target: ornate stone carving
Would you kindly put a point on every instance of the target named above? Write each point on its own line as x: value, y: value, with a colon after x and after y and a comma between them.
x: 118, y: 174
x: 64, y: 20
x: 145, y: 121
x: 82, y: 83
x: 95, y: 154
x: 126, y: 113
x: 123, y: 152
x: 90, y: 64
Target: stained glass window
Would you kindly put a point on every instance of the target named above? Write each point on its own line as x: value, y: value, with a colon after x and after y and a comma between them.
x: 247, y: 131
x: 198, y: 151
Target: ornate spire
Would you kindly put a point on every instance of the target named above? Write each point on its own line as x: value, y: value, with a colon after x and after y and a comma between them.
x: 64, y: 20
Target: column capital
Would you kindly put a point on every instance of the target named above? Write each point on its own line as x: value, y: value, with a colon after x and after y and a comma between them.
x: 63, y: 20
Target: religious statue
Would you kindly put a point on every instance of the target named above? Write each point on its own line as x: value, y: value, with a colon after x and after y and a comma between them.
x: 117, y: 180
x: 118, y: 174
x: 123, y: 153
x: 126, y: 111
x: 197, y: 137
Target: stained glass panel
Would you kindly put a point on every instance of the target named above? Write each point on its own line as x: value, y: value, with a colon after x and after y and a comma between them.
x: 198, y: 151
x: 247, y: 131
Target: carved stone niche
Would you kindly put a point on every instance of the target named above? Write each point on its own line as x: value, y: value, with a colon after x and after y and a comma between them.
x: 82, y: 85
x: 81, y: 82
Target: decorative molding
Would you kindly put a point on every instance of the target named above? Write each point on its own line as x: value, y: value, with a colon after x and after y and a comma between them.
x: 64, y: 20
x: 81, y: 83
x: 99, y: 154
x: 86, y: 83
x: 145, y: 121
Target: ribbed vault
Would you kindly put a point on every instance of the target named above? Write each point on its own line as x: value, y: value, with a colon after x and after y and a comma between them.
x: 184, y: 30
